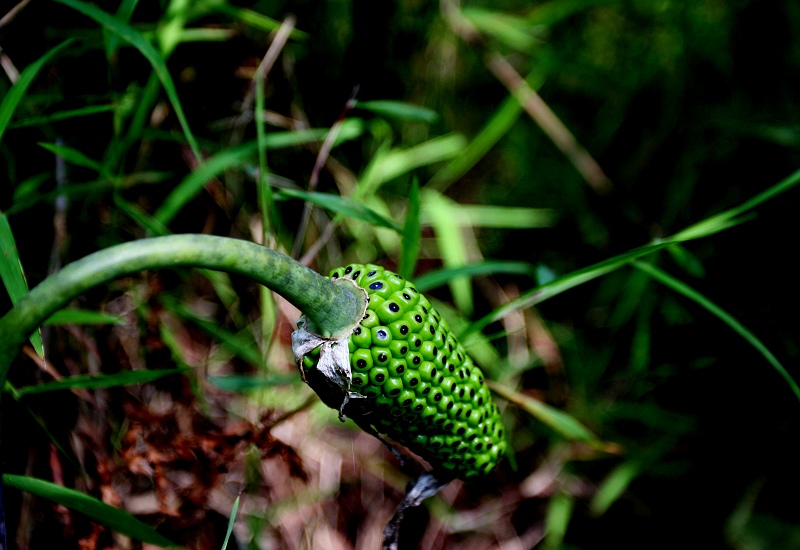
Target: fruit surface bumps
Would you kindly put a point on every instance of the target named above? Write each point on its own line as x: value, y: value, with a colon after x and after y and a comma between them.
x: 422, y: 388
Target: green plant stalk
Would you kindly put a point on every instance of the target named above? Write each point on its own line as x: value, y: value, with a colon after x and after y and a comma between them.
x: 332, y: 308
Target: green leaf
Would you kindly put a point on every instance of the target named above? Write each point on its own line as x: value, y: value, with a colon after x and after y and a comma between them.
x: 73, y: 156
x: 684, y: 289
x: 614, y: 485
x: 559, y: 512
x: 231, y: 521
x: 14, y: 96
x: 437, y: 278
x: 400, y: 110
x: 409, y: 249
x: 62, y: 115
x: 138, y: 41
x: 344, y: 206
x: 13, y: 276
x: 91, y: 382
x: 83, y: 317
x: 117, y: 520
x: 244, y: 383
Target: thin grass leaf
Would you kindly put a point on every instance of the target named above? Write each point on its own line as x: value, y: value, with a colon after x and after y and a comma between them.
x: 254, y: 19
x: 73, y: 156
x: 444, y: 215
x: 231, y: 521
x: 63, y: 115
x: 124, y: 13
x: 682, y: 288
x: 399, y: 110
x: 409, y: 249
x: 240, y: 383
x: 92, y: 382
x: 515, y: 32
x: 507, y: 217
x: 13, y: 276
x: 139, y: 42
x: 614, y: 485
x: 559, y: 512
x: 562, y: 423
x: 344, y: 206
x: 117, y: 520
x: 83, y: 317
x: 13, y: 97
x: 394, y: 163
x: 690, y: 263
x: 434, y: 279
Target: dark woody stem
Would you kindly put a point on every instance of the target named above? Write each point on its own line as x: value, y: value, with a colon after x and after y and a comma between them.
x: 332, y: 308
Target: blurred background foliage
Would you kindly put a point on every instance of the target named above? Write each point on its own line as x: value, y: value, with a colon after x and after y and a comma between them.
x: 545, y: 137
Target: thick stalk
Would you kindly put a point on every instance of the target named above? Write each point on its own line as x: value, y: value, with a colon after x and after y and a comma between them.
x: 332, y: 308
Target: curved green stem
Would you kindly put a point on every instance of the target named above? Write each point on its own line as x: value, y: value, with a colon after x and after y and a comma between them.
x: 332, y: 308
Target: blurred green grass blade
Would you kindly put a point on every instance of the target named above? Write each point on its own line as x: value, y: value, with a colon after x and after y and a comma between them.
x: 434, y: 279
x: 562, y: 423
x: 690, y: 263
x: 614, y: 485
x: 93, y: 382
x: 396, y: 162
x: 559, y: 512
x: 255, y: 19
x: 149, y: 51
x: 117, y: 520
x: 62, y: 115
x: 681, y: 288
x: 506, y: 217
x: 124, y: 13
x: 231, y: 521
x: 399, y: 110
x: 344, y: 206
x: 513, y: 31
x: 73, y: 156
x: 563, y: 283
x: 444, y: 215
x: 412, y: 232
x: 13, y: 97
x: 83, y: 317
x: 242, y: 347
x: 13, y: 276
x: 192, y: 184
x: 241, y: 383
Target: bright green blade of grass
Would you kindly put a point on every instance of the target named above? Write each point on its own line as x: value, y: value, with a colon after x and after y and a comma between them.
x: 386, y: 166
x: 437, y: 278
x: 149, y: 51
x: 513, y: 31
x: 12, y: 99
x: 117, y: 520
x: 231, y: 521
x: 13, y: 276
x: 682, y: 288
x: 254, y: 19
x: 559, y: 512
x: 399, y: 110
x: 507, y: 217
x: 444, y: 215
x: 73, y: 156
x: 83, y: 317
x: 91, y: 382
x: 614, y: 485
x: 559, y: 421
x: 409, y: 248
x: 344, y: 206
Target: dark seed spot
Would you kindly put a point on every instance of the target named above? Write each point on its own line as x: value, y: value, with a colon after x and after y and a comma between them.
x: 461, y: 431
x: 426, y: 391
x: 448, y: 426
x: 407, y: 402
x: 335, y: 276
x: 356, y: 274
x: 450, y: 405
x: 357, y: 331
x: 485, y: 429
x: 425, y: 310
x: 382, y: 358
x: 376, y: 285
x: 436, y: 319
x: 348, y: 270
x: 433, y: 373
x: 472, y: 438
x: 413, y: 381
x: 403, y: 329
x: 435, y: 351
x: 472, y: 393
x: 371, y: 273
x: 382, y: 334
x: 441, y: 378
x: 418, y: 318
x: 460, y: 358
x: 379, y: 377
x: 417, y: 360
x: 451, y: 347
x: 453, y: 386
x: 400, y: 369
x: 458, y: 412
x: 469, y: 413
x: 418, y: 408
x: 361, y: 363
x: 418, y: 343
x: 471, y: 460
x: 395, y: 391
x: 499, y: 433
x: 479, y: 446
x: 488, y: 445
x: 433, y: 331
x: 357, y: 381
x: 444, y: 362
x: 480, y: 401
x: 461, y: 393
x: 437, y: 397
x: 406, y: 296
x: 394, y: 307
x: 403, y: 350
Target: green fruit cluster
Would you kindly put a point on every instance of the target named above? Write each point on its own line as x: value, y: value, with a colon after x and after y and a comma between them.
x: 422, y: 388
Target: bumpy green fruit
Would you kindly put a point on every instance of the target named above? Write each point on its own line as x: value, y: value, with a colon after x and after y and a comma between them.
x: 418, y: 384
